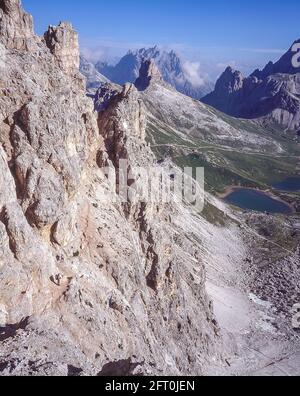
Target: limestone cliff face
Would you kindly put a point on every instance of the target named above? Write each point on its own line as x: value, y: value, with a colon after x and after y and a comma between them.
x: 46, y: 128
x: 63, y: 43
x: 16, y: 27
x: 104, y: 95
x: 87, y: 285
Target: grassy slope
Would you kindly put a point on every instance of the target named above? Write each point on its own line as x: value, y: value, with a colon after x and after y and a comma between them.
x: 225, y: 165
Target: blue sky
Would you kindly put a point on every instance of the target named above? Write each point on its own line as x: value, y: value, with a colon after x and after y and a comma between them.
x: 214, y: 33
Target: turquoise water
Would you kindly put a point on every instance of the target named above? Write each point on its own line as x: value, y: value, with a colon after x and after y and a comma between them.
x: 289, y: 184
x: 256, y: 200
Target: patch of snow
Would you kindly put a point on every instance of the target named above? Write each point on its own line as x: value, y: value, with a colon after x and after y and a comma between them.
x: 260, y: 302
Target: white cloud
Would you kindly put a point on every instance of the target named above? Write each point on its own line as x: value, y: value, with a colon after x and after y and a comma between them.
x: 93, y: 55
x: 192, y: 71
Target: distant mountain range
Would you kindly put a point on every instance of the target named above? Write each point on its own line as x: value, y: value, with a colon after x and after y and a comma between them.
x: 272, y: 94
x: 172, y: 68
x: 93, y: 77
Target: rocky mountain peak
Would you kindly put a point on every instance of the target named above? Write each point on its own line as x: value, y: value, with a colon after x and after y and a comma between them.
x: 148, y: 53
x: 94, y: 79
x: 229, y: 70
x: 283, y: 66
x: 271, y: 93
x: 230, y: 81
x: 169, y: 63
x: 16, y: 26
x: 149, y: 74
x: 62, y: 40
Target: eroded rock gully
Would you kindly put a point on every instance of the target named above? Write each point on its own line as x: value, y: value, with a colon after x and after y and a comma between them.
x: 75, y: 267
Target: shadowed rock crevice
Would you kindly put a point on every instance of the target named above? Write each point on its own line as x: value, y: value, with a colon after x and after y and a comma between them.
x: 3, y: 366
x: 121, y: 368
x: 12, y: 242
x: 152, y: 277
x: 10, y: 331
x: 74, y: 371
x: 148, y: 247
x: 16, y: 121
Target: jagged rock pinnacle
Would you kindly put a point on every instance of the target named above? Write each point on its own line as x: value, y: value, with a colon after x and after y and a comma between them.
x: 149, y: 74
x: 62, y: 40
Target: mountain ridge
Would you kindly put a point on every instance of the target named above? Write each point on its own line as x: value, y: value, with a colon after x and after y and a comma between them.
x: 94, y: 79
x: 271, y: 94
x: 169, y: 63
